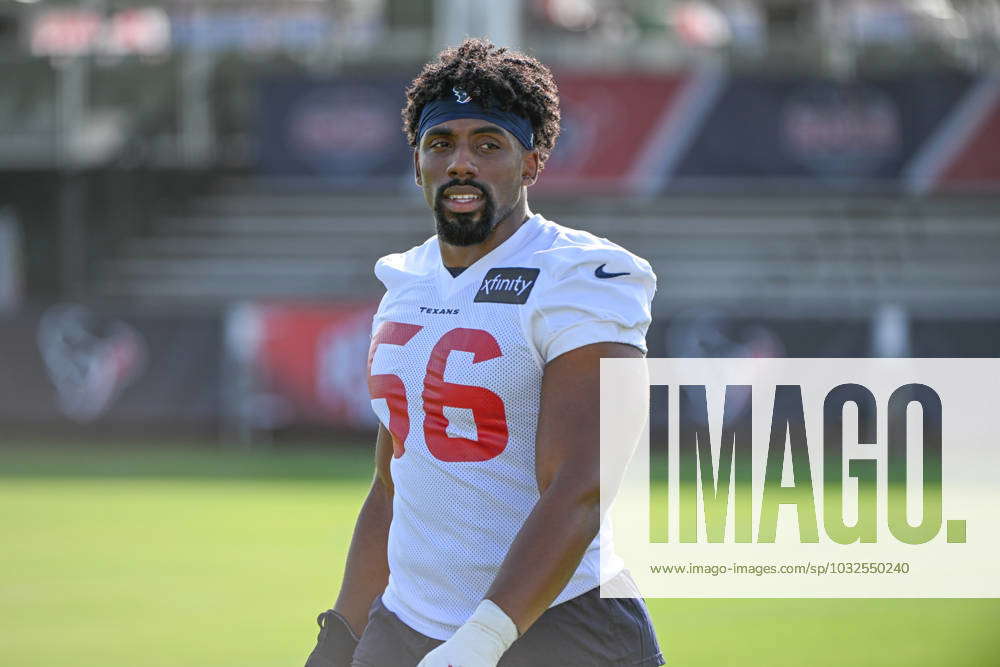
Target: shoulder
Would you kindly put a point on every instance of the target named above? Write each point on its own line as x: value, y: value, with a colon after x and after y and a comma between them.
x: 568, y: 254
x: 590, y: 291
x: 401, y: 267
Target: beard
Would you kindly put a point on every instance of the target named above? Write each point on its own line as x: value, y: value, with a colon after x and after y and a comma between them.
x: 465, y: 229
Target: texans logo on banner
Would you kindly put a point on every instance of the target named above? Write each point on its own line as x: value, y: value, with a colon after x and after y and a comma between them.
x: 89, y: 359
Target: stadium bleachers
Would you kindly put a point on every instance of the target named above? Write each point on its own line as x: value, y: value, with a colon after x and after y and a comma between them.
x: 791, y: 256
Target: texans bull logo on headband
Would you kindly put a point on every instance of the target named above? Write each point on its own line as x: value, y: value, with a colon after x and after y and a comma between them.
x: 442, y: 110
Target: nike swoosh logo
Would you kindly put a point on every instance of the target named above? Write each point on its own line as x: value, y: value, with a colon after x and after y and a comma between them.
x: 601, y: 273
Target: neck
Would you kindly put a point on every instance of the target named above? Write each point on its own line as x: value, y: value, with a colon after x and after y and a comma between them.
x: 455, y: 256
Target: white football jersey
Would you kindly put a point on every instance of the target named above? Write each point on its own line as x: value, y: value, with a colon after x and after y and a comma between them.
x: 455, y: 373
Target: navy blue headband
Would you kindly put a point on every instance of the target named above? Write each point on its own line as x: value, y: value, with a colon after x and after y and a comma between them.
x: 463, y: 106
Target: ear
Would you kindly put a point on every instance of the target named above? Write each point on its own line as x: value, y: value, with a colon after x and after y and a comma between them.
x: 416, y: 168
x: 530, y: 166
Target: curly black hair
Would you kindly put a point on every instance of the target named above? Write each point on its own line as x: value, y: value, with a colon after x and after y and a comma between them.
x: 495, y: 77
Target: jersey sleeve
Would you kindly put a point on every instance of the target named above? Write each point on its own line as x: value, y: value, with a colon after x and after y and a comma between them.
x: 400, y: 268
x: 592, y: 295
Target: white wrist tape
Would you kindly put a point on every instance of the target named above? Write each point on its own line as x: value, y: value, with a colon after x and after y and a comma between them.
x: 480, y: 642
x: 494, y: 620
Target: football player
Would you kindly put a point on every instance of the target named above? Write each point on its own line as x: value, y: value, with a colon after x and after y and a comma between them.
x: 479, y: 541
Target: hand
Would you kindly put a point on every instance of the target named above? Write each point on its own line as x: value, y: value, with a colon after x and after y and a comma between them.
x: 480, y: 642
x: 335, y: 644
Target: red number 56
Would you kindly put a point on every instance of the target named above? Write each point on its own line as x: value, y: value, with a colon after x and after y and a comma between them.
x: 487, y: 408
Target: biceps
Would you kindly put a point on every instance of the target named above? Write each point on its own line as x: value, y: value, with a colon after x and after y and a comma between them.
x: 383, y: 459
x: 568, y: 438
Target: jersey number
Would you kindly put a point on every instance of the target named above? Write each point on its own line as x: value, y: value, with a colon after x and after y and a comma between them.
x: 487, y: 408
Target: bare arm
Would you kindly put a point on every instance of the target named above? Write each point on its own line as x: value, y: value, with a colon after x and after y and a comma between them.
x: 554, y: 537
x: 367, y: 569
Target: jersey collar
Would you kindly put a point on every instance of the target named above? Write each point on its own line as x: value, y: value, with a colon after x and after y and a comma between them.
x: 473, y: 275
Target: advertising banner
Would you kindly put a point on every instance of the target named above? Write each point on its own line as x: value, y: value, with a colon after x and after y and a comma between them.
x: 75, y: 365
x: 824, y: 131
x: 613, y: 127
x: 647, y: 133
x: 303, y: 364
x: 347, y: 130
x: 964, y: 152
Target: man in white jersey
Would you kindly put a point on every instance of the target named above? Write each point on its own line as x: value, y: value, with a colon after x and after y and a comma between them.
x: 479, y: 542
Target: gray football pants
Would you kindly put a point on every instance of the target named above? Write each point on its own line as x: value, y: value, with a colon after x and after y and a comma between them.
x: 587, y: 631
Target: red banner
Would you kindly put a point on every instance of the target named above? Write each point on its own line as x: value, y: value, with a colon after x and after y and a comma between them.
x: 976, y: 162
x: 309, y: 363
x: 609, y: 123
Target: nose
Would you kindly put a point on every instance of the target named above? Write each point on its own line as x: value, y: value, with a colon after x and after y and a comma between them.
x: 462, y: 166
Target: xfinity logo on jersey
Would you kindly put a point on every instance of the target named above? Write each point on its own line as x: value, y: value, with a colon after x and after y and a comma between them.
x: 507, y: 285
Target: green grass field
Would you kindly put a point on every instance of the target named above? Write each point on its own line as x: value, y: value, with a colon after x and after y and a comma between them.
x: 119, y: 556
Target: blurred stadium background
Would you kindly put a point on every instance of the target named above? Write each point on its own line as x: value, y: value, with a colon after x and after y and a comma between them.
x: 192, y: 195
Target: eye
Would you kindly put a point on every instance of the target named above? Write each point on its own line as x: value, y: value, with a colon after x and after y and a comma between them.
x: 438, y: 144
x: 489, y: 146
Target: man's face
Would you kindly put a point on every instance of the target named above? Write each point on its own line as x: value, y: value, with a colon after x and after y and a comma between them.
x: 472, y: 173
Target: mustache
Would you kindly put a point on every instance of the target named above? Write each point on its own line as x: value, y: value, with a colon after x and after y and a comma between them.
x: 455, y: 182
